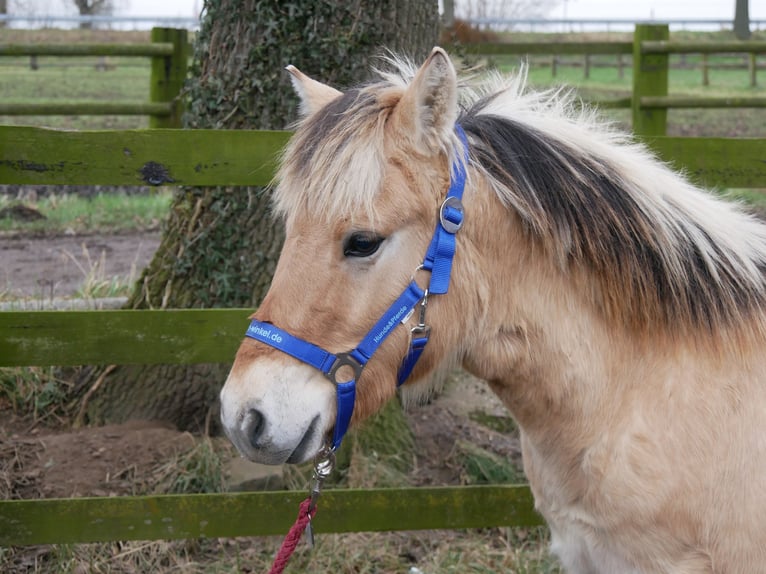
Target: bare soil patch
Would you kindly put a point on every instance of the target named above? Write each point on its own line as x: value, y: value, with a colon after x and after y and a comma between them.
x: 100, y: 461
x: 48, y: 267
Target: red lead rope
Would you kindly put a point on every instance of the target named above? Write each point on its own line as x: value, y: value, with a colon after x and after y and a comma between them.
x: 305, y: 514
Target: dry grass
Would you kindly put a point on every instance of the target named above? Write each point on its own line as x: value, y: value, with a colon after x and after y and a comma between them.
x: 423, y: 552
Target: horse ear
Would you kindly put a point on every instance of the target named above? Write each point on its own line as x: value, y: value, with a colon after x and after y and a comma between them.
x: 313, y: 95
x: 428, y: 108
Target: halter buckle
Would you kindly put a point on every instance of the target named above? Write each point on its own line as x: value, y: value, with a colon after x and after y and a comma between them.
x: 456, y: 205
x: 344, y: 360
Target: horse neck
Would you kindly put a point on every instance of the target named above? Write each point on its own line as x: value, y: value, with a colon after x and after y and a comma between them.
x: 541, y: 342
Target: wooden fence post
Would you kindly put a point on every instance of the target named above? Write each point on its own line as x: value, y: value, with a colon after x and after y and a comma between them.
x: 168, y: 76
x: 752, y: 65
x: 650, y: 78
x: 705, y: 70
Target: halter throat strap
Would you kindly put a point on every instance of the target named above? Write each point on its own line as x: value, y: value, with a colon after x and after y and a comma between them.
x: 438, y: 260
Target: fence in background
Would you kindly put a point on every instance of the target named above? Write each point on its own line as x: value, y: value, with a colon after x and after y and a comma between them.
x: 168, y: 52
x: 649, y: 51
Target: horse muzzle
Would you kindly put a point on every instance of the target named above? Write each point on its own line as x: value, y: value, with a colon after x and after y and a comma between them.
x: 277, y: 413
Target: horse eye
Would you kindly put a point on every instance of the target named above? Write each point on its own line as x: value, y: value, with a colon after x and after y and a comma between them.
x: 361, y: 244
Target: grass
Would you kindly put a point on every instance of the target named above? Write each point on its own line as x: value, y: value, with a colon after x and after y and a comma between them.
x: 35, y: 393
x: 490, y: 551
x: 67, y: 80
x: 480, y: 466
x: 102, y: 213
x: 71, y: 80
x: 198, y: 470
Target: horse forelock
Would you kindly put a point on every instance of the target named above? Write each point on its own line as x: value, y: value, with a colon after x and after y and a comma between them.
x: 334, y: 164
x: 663, y: 252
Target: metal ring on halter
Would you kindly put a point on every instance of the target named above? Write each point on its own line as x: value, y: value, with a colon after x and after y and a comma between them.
x: 344, y: 360
x: 454, y: 203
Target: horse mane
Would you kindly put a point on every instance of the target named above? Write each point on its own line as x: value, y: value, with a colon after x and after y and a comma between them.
x: 664, y: 252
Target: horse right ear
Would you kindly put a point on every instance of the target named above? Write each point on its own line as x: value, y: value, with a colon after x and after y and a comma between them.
x: 428, y: 109
x: 313, y: 95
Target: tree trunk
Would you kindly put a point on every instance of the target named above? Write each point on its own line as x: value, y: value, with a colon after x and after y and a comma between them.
x: 742, y: 19
x: 219, y: 246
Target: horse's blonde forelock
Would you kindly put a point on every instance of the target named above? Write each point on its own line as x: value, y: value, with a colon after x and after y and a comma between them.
x: 335, y: 163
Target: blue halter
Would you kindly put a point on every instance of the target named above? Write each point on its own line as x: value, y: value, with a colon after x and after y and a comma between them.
x: 438, y: 261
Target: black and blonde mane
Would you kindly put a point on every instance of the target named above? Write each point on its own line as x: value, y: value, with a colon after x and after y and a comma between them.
x: 662, y: 251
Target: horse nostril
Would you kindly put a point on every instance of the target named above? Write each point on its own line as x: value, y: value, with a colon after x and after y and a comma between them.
x: 255, y: 425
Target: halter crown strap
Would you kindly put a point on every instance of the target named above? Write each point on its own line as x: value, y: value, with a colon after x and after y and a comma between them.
x: 438, y: 261
x: 441, y: 251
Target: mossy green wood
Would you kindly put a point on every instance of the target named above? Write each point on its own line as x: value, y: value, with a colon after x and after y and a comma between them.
x: 138, y: 157
x: 716, y: 162
x: 666, y: 102
x: 149, y: 50
x: 168, y: 76
x: 158, y: 109
x: 124, y: 337
x: 650, y: 78
x: 668, y: 47
x: 26, y: 522
x: 499, y: 48
x: 242, y: 157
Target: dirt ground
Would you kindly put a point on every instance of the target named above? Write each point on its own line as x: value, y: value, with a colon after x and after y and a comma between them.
x: 50, y: 267
x: 38, y: 461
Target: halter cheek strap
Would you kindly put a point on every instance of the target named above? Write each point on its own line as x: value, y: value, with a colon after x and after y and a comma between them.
x: 438, y: 260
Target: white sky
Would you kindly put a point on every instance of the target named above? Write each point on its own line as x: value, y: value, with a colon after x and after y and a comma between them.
x: 623, y: 9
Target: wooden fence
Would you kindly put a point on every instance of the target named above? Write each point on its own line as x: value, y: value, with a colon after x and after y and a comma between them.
x: 649, y: 50
x: 207, y: 157
x: 168, y: 51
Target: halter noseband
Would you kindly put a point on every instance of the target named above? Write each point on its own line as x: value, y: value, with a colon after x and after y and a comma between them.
x: 438, y: 260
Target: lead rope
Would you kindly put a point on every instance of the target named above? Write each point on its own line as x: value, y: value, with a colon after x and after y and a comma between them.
x: 323, y: 467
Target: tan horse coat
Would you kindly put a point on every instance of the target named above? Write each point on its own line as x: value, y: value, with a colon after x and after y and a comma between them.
x: 616, y: 310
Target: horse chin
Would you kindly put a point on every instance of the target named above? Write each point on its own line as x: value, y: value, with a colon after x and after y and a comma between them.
x: 275, y: 413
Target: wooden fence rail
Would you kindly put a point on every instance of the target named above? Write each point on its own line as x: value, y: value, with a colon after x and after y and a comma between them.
x: 168, y: 51
x: 209, y: 157
x: 650, y: 48
x: 39, y: 156
x: 24, y: 522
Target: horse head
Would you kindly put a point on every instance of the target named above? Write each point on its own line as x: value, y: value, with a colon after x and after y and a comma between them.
x: 359, y: 189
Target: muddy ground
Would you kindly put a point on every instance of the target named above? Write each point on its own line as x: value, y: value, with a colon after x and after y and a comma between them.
x: 53, y: 267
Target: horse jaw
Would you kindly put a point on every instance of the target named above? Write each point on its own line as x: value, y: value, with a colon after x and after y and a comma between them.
x: 277, y: 413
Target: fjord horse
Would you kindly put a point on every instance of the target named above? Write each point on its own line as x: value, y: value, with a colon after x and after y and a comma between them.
x: 617, y: 310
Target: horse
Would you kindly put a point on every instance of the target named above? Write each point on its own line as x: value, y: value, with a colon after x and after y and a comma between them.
x: 616, y: 309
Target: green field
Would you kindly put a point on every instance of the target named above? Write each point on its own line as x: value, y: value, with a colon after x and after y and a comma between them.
x: 78, y: 79
x: 105, y: 212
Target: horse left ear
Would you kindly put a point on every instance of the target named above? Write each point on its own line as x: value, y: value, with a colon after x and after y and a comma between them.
x: 314, y: 95
x: 428, y: 109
